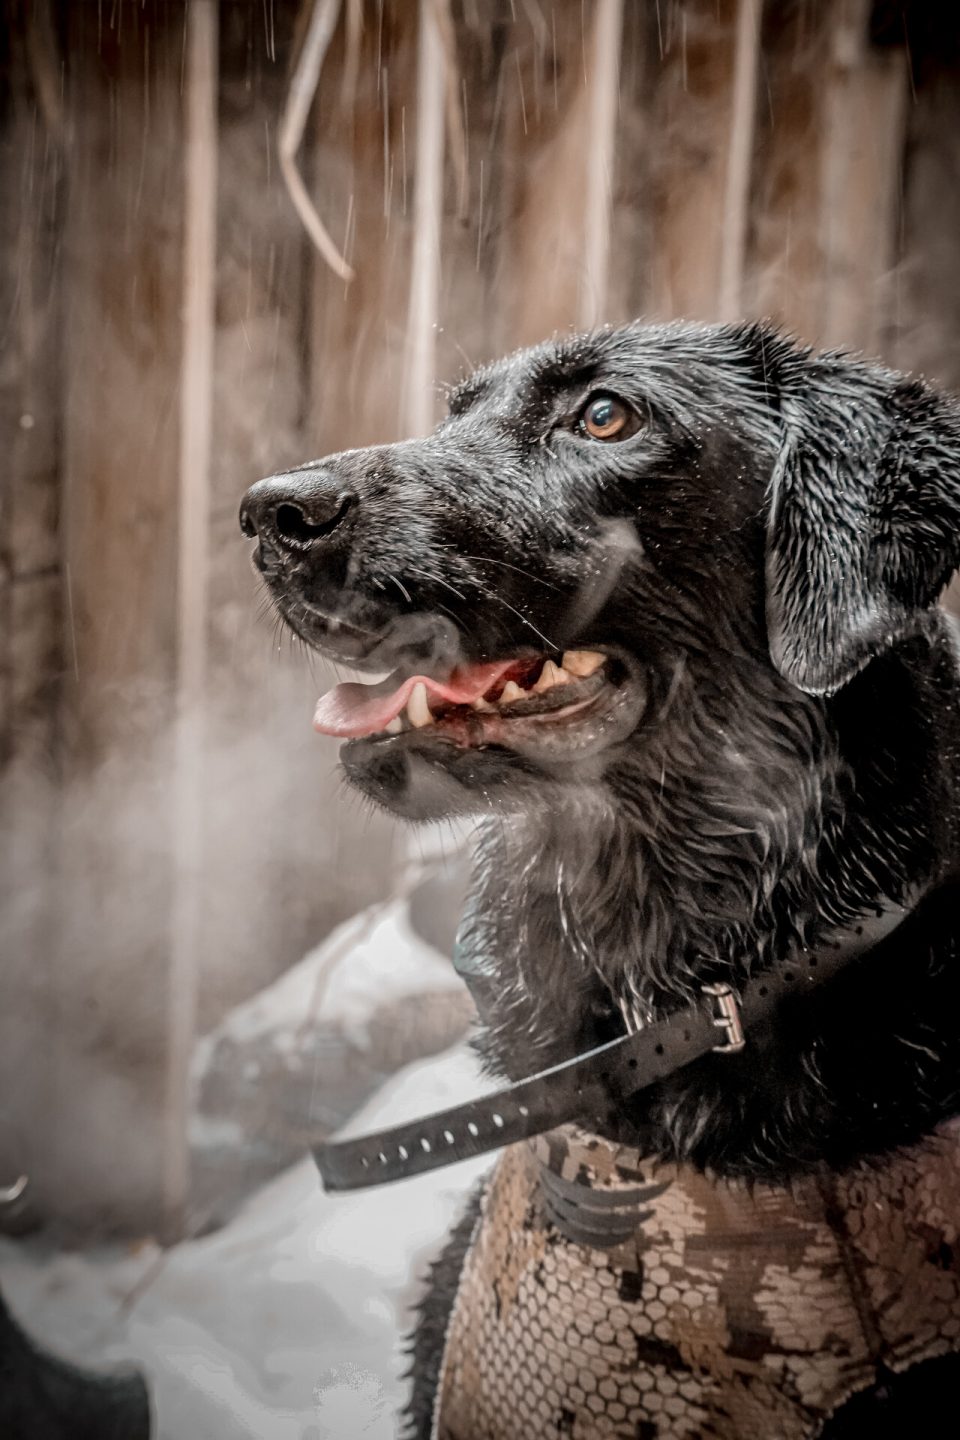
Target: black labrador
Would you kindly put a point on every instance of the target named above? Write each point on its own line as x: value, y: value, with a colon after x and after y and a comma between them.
x: 660, y: 604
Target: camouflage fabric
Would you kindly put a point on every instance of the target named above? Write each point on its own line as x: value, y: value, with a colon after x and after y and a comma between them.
x: 700, y: 1308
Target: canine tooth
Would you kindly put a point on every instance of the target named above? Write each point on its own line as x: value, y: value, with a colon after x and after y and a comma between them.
x: 582, y: 662
x: 548, y: 676
x: 395, y: 726
x: 483, y: 705
x: 418, y: 711
x: 511, y: 691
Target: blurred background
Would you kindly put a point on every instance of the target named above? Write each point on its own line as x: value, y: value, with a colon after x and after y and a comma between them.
x: 236, y: 236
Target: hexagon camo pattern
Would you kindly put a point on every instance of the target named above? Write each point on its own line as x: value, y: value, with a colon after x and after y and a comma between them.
x: 729, y: 1313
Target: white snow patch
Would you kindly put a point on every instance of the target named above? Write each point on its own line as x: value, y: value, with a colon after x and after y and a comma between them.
x: 286, y: 1324
x: 369, y: 960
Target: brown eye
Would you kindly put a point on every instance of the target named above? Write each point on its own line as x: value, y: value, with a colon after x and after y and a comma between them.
x: 604, y: 417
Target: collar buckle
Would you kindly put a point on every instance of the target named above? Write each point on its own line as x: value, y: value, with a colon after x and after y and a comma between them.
x: 726, y: 1017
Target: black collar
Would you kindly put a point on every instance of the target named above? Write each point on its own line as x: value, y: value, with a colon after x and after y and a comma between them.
x: 584, y: 1088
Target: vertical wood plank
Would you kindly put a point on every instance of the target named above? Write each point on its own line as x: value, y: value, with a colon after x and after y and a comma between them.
x: 924, y: 320
x: 419, y: 404
x: 736, y: 197
x: 31, y: 195
x: 692, y: 120
x: 600, y: 145
x: 925, y: 298
x: 865, y: 99
x: 364, y: 142
x: 470, y: 299
x: 783, y: 279
x: 196, y: 414
x: 123, y: 282
x: 828, y: 166
x: 549, y: 82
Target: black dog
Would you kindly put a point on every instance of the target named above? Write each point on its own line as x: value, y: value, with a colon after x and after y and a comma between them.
x: 661, y: 602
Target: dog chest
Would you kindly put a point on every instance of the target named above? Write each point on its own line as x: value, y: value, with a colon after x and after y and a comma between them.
x: 669, y: 1305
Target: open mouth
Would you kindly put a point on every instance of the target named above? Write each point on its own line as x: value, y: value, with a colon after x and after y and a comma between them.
x: 511, y: 702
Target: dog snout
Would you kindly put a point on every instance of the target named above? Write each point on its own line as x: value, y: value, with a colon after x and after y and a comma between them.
x: 303, y: 510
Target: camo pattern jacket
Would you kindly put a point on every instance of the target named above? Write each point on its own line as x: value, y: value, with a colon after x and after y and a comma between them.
x: 606, y: 1295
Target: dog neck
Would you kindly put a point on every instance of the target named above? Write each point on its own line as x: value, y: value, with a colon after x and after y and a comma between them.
x: 579, y: 926
x: 588, y: 1086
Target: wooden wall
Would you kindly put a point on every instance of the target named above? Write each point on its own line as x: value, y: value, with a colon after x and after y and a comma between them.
x: 31, y: 583
x: 173, y: 834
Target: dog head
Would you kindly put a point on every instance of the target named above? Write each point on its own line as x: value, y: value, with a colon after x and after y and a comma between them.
x: 612, y: 538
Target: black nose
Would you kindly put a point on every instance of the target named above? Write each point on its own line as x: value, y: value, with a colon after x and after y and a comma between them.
x: 296, y: 511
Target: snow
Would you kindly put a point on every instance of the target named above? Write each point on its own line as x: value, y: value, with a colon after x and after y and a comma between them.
x: 286, y: 1324
x: 288, y: 1321
x: 374, y: 955
x: 298, y: 1059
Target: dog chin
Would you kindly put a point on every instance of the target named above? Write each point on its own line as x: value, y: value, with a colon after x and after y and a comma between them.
x: 433, y: 774
x: 432, y: 780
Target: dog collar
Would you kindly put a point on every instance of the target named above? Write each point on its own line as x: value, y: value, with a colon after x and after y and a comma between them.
x: 586, y: 1088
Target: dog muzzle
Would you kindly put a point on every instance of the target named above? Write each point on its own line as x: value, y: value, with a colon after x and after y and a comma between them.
x: 606, y: 1294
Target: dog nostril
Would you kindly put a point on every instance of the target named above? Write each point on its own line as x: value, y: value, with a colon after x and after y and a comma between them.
x: 247, y: 524
x: 293, y: 523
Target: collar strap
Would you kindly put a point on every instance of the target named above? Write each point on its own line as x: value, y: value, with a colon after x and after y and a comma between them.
x: 585, y: 1088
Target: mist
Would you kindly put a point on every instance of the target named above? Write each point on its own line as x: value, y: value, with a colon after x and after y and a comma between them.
x: 233, y: 238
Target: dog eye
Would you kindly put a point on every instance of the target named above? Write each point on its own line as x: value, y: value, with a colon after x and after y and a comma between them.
x: 605, y: 417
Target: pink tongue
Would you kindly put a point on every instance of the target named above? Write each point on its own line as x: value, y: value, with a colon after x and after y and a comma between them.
x: 351, y: 710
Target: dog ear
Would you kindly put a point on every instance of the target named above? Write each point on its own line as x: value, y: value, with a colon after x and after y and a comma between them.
x: 864, y: 519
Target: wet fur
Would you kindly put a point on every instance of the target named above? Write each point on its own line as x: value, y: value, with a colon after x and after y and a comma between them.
x: 768, y: 552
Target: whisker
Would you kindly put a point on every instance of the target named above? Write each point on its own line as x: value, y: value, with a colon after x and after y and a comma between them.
x: 520, y: 616
x: 505, y: 564
x: 436, y: 579
x: 403, y: 591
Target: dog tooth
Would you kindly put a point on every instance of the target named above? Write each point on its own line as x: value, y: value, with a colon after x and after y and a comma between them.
x: 418, y: 711
x: 511, y: 691
x: 395, y: 726
x: 548, y: 676
x: 582, y: 662
x: 483, y: 705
